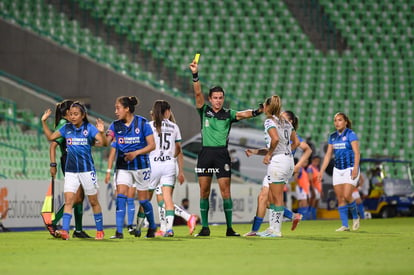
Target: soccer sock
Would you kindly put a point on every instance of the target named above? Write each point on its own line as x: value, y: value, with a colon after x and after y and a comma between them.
x: 98, y: 221
x: 343, y: 214
x: 169, y: 218
x: 66, y: 221
x: 313, y: 213
x: 257, y: 222
x: 353, y: 208
x: 120, y: 212
x: 304, y: 212
x: 275, y: 217
x: 288, y: 214
x: 161, y: 212
x: 58, y: 215
x: 361, y: 210
x: 78, y: 213
x: 149, y: 213
x: 140, y: 220
x: 131, y: 210
x: 181, y: 212
x: 228, y: 211
x: 204, y: 207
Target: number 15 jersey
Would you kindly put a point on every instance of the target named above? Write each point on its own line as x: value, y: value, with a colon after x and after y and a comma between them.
x: 165, y: 142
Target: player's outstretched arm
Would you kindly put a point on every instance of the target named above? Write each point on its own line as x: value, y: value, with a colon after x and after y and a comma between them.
x: 249, y: 113
x: 198, y: 95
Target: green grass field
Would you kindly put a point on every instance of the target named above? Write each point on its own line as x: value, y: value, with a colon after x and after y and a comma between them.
x: 381, y: 246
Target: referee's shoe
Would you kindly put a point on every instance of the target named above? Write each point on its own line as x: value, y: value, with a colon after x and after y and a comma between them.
x: 204, y: 232
x: 230, y: 233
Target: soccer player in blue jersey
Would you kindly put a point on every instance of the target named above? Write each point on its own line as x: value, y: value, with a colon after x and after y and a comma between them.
x: 344, y: 144
x: 134, y: 140
x: 61, y: 118
x: 80, y: 135
x: 263, y: 197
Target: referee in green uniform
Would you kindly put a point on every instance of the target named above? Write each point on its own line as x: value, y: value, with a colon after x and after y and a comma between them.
x: 214, y: 157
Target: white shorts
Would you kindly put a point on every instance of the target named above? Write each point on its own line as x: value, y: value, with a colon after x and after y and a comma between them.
x: 134, y: 185
x: 317, y: 194
x: 265, y: 182
x: 88, y: 180
x: 300, y: 193
x: 280, y: 169
x: 163, y: 175
x: 134, y: 178
x: 355, y: 195
x: 344, y: 176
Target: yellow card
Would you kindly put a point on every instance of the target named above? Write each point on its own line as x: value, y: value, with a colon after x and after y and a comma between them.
x: 197, y: 57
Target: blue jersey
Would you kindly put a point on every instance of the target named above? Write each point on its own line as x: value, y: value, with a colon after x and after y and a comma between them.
x: 78, y: 143
x: 128, y: 139
x: 344, y: 155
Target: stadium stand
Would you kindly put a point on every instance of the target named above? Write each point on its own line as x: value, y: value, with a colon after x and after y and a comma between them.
x: 23, y: 148
x: 254, y: 49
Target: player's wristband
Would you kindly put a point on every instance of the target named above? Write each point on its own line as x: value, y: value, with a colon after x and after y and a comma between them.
x: 108, y: 170
x: 195, y: 77
x: 53, y: 164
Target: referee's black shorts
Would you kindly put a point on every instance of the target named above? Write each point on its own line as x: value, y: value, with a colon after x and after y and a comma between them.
x: 214, y: 160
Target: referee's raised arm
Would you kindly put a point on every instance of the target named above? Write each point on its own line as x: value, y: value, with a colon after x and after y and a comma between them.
x: 199, y: 97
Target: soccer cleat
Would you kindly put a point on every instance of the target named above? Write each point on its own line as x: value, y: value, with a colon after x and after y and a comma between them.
x: 342, y: 228
x: 355, y: 224
x: 80, y: 234
x: 169, y: 233
x: 150, y: 233
x: 117, y: 235
x: 230, y: 233
x: 64, y: 235
x: 270, y: 233
x: 99, y: 235
x: 204, y: 232
x: 52, y: 229
x: 250, y: 234
x: 137, y: 233
x: 191, y: 223
x: 4, y: 229
x: 131, y: 230
x: 159, y: 233
x: 296, y: 219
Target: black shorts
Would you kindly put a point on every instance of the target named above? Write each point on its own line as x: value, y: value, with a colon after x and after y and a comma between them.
x: 214, y: 160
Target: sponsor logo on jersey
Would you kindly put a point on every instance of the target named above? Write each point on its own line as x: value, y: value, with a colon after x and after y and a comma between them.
x: 129, y: 140
x: 77, y: 141
x: 339, y: 146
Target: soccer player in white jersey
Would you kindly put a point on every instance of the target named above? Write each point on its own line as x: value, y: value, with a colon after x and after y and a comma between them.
x: 344, y: 144
x: 163, y: 158
x: 278, y: 157
x: 263, y: 197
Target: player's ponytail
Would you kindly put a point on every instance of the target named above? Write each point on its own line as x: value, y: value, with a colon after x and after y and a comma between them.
x: 292, y: 119
x: 61, y: 109
x: 274, y: 105
x: 158, y: 112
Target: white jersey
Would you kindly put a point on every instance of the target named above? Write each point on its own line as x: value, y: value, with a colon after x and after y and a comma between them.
x: 284, y: 130
x: 165, y: 142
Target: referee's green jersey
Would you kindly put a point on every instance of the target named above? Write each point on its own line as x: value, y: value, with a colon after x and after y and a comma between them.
x: 215, y: 127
